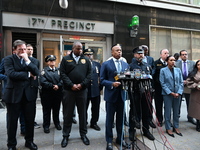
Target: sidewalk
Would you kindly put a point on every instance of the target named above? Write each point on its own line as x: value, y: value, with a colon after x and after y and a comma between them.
x: 51, y: 141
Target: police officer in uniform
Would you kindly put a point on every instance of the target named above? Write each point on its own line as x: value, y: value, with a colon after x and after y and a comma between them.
x: 138, y: 99
x: 51, y: 93
x: 94, y: 89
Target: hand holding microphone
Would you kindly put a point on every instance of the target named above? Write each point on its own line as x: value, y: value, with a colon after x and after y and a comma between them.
x: 116, y: 84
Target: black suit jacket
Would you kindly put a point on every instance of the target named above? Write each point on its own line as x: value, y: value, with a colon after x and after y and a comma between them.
x: 18, y: 80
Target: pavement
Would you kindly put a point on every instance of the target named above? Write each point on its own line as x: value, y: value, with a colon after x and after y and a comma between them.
x: 51, y: 141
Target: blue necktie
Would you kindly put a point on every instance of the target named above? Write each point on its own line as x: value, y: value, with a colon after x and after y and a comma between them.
x: 119, y: 68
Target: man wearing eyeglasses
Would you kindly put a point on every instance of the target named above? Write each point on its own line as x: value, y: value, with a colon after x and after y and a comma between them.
x: 186, y: 67
x: 19, y: 95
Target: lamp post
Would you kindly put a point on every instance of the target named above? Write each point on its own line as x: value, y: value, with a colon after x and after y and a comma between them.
x: 63, y: 4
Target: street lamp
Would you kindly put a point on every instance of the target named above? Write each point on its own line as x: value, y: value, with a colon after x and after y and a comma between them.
x: 63, y: 4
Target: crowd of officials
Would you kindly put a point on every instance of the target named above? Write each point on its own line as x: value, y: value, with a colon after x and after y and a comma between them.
x: 78, y: 82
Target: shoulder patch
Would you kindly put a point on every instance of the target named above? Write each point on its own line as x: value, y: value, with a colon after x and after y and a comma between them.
x: 69, y: 60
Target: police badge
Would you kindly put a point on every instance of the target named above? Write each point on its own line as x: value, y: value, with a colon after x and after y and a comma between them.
x: 83, y: 61
x: 43, y: 72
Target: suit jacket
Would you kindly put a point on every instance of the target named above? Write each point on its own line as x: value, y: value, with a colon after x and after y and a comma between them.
x: 158, y: 66
x: 190, y: 66
x: 171, y: 83
x: 18, y: 80
x: 107, y: 74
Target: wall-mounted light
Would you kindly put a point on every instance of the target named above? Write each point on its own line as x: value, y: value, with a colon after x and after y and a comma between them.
x: 63, y: 4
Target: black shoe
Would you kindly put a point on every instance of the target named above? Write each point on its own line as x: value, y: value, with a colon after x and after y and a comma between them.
x: 46, y: 130
x: 179, y: 133
x: 198, y: 126
x: 191, y: 120
x: 172, y: 135
x: 126, y: 123
x: 85, y: 140
x: 198, y: 129
x: 74, y: 121
x: 58, y: 127
x: 149, y: 135
x: 132, y: 136
x: 64, y: 142
x: 124, y: 144
x: 36, y: 126
x: 152, y: 124
x: 96, y: 127
x: 31, y: 145
x: 109, y: 146
x: 12, y: 148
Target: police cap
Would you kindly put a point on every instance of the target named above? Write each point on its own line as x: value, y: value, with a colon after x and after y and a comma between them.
x: 50, y: 58
x: 88, y: 51
x: 138, y: 50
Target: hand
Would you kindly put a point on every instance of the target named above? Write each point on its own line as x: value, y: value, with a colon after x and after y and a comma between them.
x: 184, y: 82
x: 79, y: 86
x: 76, y: 87
x: 116, y: 84
x: 175, y: 95
x: 34, y: 77
x: 55, y: 87
x: 24, y: 56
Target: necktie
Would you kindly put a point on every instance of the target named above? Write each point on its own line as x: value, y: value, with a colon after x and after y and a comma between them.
x: 184, y: 70
x: 22, y: 61
x: 119, y: 68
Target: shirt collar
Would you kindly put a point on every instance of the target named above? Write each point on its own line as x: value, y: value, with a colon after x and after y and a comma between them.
x: 184, y: 61
x: 74, y: 56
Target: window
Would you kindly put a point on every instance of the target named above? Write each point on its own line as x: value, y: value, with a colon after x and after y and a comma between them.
x: 174, y: 40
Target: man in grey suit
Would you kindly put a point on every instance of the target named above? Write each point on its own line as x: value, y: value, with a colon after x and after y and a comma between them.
x: 186, y: 67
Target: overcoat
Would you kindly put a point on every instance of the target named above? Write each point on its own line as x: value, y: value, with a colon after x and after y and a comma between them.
x: 194, y: 105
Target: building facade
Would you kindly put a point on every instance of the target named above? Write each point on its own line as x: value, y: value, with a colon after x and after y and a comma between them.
x: 100, y: 24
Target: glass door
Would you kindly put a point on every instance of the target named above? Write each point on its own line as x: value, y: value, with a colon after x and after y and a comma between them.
x: 98, y: 50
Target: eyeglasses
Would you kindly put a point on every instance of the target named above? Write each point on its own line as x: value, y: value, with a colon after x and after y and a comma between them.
x: 30, y: 49
x: 21, y: 49
x: 184, y: 54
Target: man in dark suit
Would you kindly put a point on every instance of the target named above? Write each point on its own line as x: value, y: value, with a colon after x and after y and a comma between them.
x: 29, y: 51
x: 114, y: 96
x: 75, y: 71
x: 94, y: 89
x: 160, y: 63
x: 19, y: 94
x: 186, y: 67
